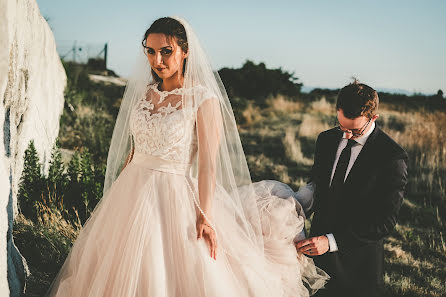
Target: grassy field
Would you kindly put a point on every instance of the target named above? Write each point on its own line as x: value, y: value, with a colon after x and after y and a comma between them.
x: 279, y: 144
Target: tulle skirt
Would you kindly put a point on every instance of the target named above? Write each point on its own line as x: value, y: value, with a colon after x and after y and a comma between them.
x: 141, y: 241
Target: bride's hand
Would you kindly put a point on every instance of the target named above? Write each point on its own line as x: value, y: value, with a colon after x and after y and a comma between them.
x: 205, y: 230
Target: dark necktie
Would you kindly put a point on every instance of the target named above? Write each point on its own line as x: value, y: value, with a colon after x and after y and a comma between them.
x: 341, y: 167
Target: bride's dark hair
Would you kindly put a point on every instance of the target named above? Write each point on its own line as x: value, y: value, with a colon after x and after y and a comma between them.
x: 171, y: 28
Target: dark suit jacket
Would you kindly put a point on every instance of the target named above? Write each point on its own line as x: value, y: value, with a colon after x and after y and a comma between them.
x: 364, y: 212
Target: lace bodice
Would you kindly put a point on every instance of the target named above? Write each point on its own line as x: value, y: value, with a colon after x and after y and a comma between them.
x: 161, y: 126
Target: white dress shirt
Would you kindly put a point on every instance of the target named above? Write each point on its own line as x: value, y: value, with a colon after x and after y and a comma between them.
x: 356, y: 149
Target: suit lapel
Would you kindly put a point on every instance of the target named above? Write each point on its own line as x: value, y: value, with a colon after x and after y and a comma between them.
x: 332, y: 148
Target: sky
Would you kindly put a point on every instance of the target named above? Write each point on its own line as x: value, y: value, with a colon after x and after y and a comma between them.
x: 387, y: 44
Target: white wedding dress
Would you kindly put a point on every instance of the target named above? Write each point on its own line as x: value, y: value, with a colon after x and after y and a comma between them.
x: 141, y: 239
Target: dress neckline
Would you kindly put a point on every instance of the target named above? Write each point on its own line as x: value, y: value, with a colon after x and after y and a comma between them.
x: 164, y: 94
x: 173, y: 91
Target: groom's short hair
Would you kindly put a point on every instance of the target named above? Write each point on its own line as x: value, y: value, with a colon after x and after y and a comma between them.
x: 357, y: 99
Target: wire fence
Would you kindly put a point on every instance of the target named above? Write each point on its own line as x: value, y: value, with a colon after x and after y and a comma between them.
x: 83, y: 52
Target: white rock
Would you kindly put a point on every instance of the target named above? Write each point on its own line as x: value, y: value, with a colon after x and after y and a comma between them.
x: 119, y: 81
x: 32, y: 81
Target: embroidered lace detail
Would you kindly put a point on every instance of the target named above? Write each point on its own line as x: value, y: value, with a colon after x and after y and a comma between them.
x: 167, y: 132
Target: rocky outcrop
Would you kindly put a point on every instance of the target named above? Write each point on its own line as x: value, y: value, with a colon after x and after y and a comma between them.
x: 32, y: 80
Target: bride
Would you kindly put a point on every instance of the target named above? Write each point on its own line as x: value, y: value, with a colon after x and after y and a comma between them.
x: 180, y: 215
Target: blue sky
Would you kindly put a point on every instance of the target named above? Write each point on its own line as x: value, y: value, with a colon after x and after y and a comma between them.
x: 387, y: 44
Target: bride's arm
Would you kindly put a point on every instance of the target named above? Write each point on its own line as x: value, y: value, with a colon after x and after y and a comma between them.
x: 209, y: 124
x: 305, y: 196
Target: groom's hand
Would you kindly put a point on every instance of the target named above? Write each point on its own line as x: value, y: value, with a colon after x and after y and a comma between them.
x: 313, y: 246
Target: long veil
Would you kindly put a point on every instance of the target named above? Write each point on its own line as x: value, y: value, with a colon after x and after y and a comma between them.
x: 220, y: 163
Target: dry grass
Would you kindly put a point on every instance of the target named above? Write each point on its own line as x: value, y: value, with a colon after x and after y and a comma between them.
x: 281, y: 103
x: 322, y: 106
x: 45, y: 244
x: 262, y: 163
x: 427, y: 133
x: 84, y: 111
x: 51, y: 217
x: 252, y: 114
x: 424, y: 137
x: 293, y: 148
x: 415, y: 253
x: 311, y: 126
x: 412, y: 267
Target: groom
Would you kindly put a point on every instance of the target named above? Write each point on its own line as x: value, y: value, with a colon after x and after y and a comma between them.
x: 359, y: 174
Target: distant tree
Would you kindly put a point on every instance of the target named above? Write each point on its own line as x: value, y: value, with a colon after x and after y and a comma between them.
x: 256, y: 82
x: 440, y: 94
x: 329, y: 94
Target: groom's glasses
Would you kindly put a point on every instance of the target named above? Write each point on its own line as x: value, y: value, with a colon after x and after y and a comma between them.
x: 354, y: 132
